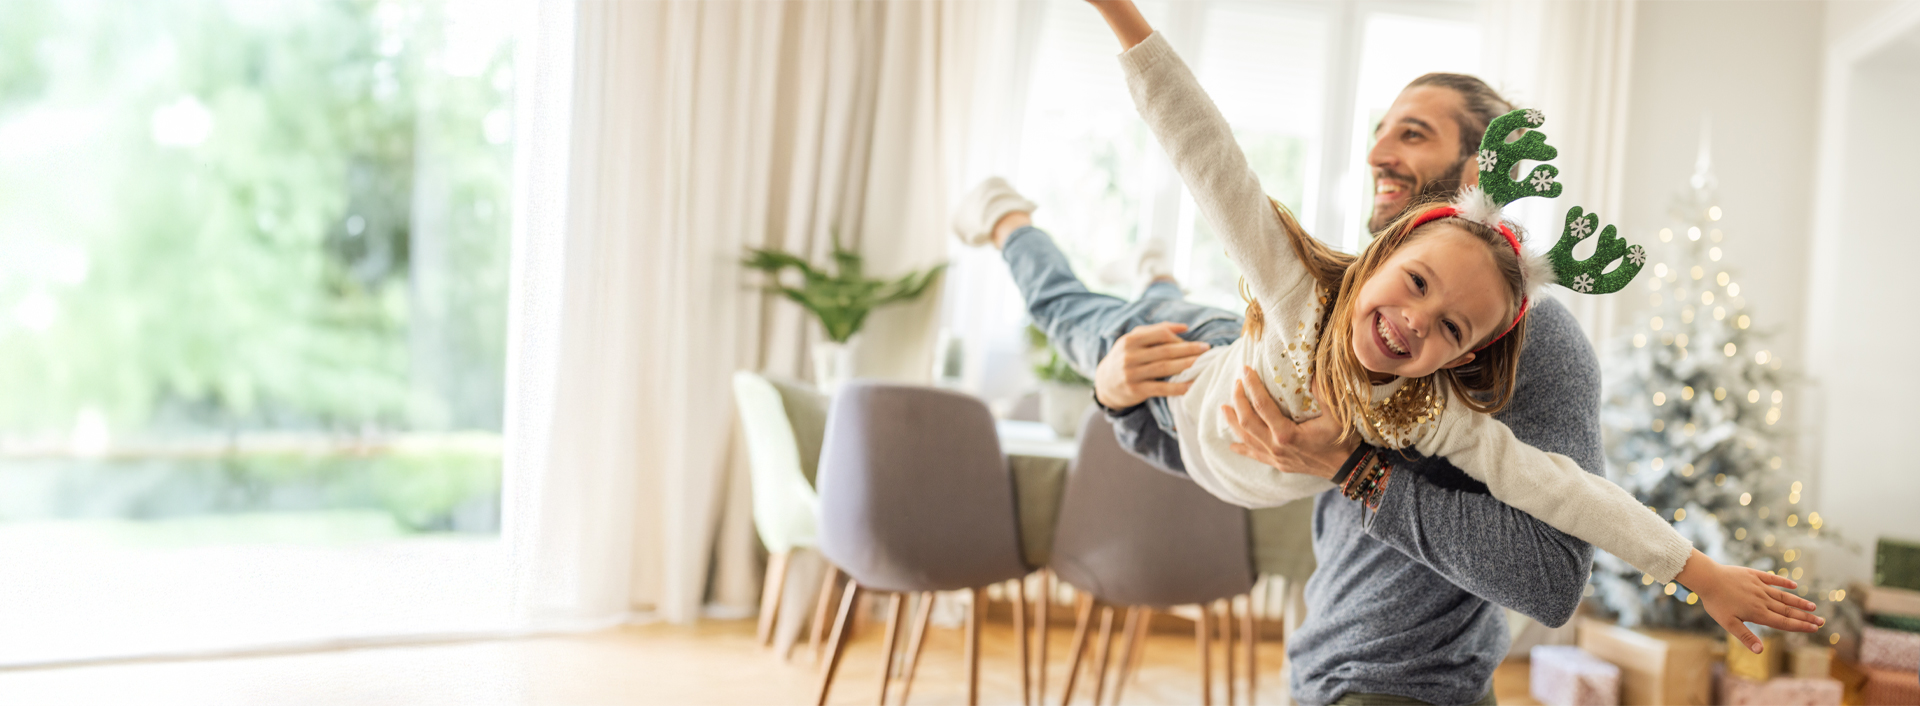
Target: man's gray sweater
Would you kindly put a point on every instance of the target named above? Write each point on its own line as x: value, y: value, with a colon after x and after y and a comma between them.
x: 1406, y: 600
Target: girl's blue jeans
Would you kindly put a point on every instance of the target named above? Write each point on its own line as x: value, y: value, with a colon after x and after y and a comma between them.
x: 1083, y: 325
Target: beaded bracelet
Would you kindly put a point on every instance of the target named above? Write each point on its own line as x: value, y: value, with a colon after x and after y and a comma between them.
x: 1354, y: 460
x: 1368, y: 480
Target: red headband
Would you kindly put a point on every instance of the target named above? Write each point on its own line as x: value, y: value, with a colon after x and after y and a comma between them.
x: 1450, y: 212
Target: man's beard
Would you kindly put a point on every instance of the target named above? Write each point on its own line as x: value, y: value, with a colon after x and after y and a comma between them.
x: 1442, y: 189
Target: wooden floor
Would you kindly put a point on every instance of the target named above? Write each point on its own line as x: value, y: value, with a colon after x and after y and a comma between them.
x: 715, y: 662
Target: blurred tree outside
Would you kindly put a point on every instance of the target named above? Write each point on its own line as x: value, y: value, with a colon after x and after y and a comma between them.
x: 223, y: 220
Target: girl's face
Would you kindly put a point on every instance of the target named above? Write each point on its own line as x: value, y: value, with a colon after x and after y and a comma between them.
x: 1428, y: 305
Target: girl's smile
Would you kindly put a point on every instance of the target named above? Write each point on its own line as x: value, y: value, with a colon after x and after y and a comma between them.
x: 1429, y: 305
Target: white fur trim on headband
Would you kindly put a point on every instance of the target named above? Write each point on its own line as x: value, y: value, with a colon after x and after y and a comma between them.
x: 1474, y: 205
x: 1536, y: 271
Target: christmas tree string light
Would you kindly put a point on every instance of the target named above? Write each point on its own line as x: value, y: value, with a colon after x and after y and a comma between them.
x: 1692, y: 411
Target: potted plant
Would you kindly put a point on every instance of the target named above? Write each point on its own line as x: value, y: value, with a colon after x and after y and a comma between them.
x: 1064, y: 393
x: 841, y: 301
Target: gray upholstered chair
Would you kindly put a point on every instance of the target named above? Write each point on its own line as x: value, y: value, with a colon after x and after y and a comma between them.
x: 915, y: 497
x: 1131, y: 535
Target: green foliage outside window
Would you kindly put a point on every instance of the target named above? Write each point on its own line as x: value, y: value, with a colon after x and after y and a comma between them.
x: 222, y: 218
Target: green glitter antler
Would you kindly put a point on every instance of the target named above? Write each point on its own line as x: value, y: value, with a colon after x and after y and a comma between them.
x: 1498, y: 157
x: 1590, y: 276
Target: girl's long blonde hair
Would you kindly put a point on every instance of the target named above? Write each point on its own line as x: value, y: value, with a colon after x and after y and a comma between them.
x: 1341, y: 384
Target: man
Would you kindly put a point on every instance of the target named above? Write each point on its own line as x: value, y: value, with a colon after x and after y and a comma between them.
x: 1404, y: 607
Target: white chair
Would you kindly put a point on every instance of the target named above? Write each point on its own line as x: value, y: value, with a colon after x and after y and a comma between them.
x: 784, y: 423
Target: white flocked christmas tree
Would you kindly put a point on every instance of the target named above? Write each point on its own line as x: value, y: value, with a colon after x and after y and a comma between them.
x: 1692, y: 410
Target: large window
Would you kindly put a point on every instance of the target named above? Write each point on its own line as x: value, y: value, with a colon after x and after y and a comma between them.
x: 252, y: 310
x: 1302, y: 83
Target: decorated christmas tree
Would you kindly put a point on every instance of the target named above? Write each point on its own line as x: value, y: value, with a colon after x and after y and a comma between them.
x: 1692, y: 411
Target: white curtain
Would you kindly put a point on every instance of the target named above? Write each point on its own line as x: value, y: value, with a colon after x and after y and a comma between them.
x: 699, y: 128
x: 1574, y: 61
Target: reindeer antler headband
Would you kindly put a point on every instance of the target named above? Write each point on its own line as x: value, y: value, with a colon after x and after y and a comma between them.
x: 1482, y: 204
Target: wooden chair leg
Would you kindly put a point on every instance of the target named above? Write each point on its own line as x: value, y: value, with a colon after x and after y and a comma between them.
x: 1020, y: 629
x: 973, y: 646
x: 830, y: 580
x: 1045, y: 600
x: 1226, y: 644
x: 836, y: 645
x: 921, y: 615
x: 1082, y: 621
x: 896, y: 614
x: 1140, y: 644
x: 1132, y: 633
x: 770, y: 588
x: 1201, y: 629
x: 1101, y: 650
x: 1250, y: 633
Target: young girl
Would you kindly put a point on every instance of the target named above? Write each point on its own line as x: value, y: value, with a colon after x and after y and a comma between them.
x: 1422, y: 334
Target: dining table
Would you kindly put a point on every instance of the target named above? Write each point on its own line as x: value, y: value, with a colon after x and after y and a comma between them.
x: 1281, y: 537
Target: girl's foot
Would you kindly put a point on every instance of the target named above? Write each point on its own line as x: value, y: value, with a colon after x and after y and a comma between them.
x: 980, y: 215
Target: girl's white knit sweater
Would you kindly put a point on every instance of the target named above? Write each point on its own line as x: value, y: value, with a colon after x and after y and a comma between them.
x: 1546, y: 485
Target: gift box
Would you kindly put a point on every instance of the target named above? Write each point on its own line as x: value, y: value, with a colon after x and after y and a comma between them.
x: 1771, y: 661
x: 1896, y: 564
x: 1889, y: 649
x: 1887, y: 600
x: 1564, y: 675
x: 1903, y: 623
x: 1736, y: 690
x: 1812, y: 662
x: 1656, y: 666
x: 1852, y: 680
x: 1889, y: 687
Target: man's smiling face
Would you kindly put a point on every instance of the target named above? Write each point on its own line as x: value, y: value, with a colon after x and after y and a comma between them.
x: 1416, y: 152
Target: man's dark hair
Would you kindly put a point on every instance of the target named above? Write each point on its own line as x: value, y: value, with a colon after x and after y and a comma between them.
x: 1483, y: 104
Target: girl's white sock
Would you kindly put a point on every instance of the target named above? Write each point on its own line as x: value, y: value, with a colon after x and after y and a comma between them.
x: 977, y: 212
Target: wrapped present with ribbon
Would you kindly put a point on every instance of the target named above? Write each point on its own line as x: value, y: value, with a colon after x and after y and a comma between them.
x: 1812, y: 662
x: 1889, y: 687
x: 1564, y: 675
x: 1736, y: 690
x: 1759, y: 667
x: 1656, y: 666
x: 1889, y: 649
x: 1896, y: 563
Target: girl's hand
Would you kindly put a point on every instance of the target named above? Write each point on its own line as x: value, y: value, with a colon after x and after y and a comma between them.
x: 1733, y: 594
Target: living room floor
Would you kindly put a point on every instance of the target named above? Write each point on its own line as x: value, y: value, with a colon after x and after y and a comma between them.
x: 715, y: 662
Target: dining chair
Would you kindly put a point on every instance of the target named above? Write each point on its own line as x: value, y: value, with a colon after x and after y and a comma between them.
x: 783, y: 422
x: 915, y: 498
x: 1132, y: 536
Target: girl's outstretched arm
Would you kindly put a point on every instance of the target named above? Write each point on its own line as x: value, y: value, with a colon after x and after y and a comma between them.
x: 1734, y: 595
x: 1128, y: 25
x: 1554, y: 489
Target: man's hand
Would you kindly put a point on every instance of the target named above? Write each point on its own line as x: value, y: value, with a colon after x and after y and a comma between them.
x: 1267, y: 435
x: 1135, y: 368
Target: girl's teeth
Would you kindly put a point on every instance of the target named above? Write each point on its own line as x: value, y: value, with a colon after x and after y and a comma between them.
x: 1387, y: 335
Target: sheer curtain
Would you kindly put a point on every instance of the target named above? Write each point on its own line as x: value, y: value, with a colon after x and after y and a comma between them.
x: 695, y: 129
x: 1574, y: 61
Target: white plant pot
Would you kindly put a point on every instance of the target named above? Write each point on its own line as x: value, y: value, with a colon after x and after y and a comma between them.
x: 833, y: 364
x: 1063, y: 405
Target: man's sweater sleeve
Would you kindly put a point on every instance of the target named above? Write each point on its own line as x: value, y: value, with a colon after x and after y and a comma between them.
x: 1142, y: 436
x: 1485, y: 546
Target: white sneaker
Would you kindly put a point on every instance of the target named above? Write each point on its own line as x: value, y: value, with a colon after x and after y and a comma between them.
x: 984, y: 206
x: 1154, y: 263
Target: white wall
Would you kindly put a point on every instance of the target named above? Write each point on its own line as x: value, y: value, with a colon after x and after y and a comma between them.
x: 1860, y: 333
x: 1754, y: 68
